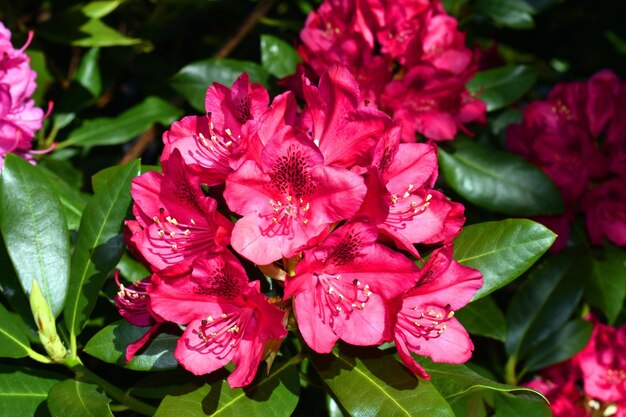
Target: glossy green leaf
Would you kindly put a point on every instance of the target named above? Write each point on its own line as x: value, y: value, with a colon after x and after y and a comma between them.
x: 278, y: 57
x: 88, y: 72
x: 510, y: 406
x: 193, y: 80
x: 483, y: 318
x: 99, y: 9
x: 73, y: 202
x: 131, y: 269
x: 274, y: 395
x: 14, y: 341
x: 115, y: 130
x: 490, y: 179
x: 34, y: 230
x: 72, y: 398
x: 99, y: 246
x: 23, y: 391
x: 517, y: 14
x: 13, y: 293
x: 545, y: 301
x: 606, y: 288
x: 97, y: 33
x: 109, y: 345
x: 501, y: 250
x: 453, y: 380
x: 564, y: 343
x: 502, y: 86
x: 375, y: 381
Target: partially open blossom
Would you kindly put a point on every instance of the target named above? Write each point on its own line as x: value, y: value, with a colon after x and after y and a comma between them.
x: 19, y: 118
x: 577, y: 136
x: 425, y: 323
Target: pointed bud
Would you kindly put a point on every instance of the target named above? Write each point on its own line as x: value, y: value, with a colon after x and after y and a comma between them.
x: 46, y: 324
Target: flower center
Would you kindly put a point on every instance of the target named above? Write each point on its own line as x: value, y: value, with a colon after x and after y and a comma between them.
x: 404, y: 208
x: 427, y: 323
x: 340, y: 295
x: 220, y: 335
x: 180, y: 236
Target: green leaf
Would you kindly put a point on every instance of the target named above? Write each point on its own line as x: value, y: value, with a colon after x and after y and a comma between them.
x: 560, y: 346
x: 502, y: 86
x: 73, y: 202
x: 510, y: 406
x: 14, y: 341
x: 11, y: 289
x: 501, y: 250
x: 109, y: 345
x: 516, y: 14
x: 374, y: 380
x: 72, y: 398
x: 275, y: 395
x: 278, y: 57
x: 99, y: 9
x: 193, y: 80
x: 454, y: 380
x: 470, y: 405
x: 99, y: 246
x: 492, y: 179
x: 23, y: 391
x: 131, y: 269
x: 115, y: 130
x: 546, y: 301
x: 34, y: 230
x: 88, y: 72
x: 606, y: 288
x: 97, y: 33
x: 483, y: 318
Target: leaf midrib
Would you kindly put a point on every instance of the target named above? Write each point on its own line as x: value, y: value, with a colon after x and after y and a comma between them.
x: 373, y: 382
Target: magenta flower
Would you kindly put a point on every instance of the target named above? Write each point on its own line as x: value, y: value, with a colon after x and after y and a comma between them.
x: 342, y: 288
x: 603, y: 363
x: 425, y: 323
x: 559, y: 384
x: 215, y: 143
x: 288, y: 199
x: 576, y: 136
x: 175, y: 222
x: 19, y: 118
x: 227, y: 318
x: 407, y: 56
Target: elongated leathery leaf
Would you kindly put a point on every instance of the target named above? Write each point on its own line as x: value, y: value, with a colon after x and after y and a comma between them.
x: 483, y: 318
x: 374, y: 383
x: 34, y: 230
x: 273, y: 395
x: 501, y: 250
x: 24, y: 391
x: 278, y: 57
x: 497, y: 180
x: 110, y: 343
x: 502, y: 86
x: 99, y: 246
x: 606, y: 288
x: 75, y: 398
x: 545, y: 302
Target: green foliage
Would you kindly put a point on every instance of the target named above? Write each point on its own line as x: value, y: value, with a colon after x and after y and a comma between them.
x: 75, y: 398
x: 502, y: 86
x: 23, y: 391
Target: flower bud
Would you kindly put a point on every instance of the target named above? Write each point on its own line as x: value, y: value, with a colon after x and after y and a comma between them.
x: 46, y: 324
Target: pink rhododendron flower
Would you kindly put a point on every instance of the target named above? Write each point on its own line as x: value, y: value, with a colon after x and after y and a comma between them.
x: 342, y: 288
x: 227, y: 318
x: 577, y: 136
x: 175, y: 221
x: 425, y: 323
x: 289, y: 199
x: 558, y: 384
x: 19, y: 118
x: 407, y: 56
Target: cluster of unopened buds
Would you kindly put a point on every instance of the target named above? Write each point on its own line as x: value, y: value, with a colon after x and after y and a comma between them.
x: 593, y: 382
x: 319, y: 206
x: 408, y: 57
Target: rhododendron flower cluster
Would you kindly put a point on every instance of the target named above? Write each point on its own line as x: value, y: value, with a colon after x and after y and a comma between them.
x: 592, y: 383
x: 408, y: 57
x: 577, y: 136
x: 328, y: 204
x: 19, y: 118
